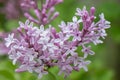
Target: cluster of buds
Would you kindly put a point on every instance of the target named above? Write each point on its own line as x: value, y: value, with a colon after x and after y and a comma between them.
x: 45, y: 14
x: 38, y: 49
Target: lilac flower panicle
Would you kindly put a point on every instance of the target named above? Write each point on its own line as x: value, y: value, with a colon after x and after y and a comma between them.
x: 38, y: 48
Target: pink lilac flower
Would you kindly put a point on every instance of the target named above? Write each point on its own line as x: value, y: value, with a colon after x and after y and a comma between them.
x: 37, y: 49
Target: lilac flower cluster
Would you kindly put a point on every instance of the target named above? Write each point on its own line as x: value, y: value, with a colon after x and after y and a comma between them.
x: 13, y: 9
x: 38, y: 49
x: 45, y: 14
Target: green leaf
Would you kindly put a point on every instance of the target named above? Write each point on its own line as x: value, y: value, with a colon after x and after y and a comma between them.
x: 49, y: 76
x: 6, y: 75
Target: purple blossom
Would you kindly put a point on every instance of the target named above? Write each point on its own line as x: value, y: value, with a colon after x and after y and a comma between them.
x: 10, y: 40
x: 37, y: 49
x: 87, y: 51
x: 83, y: 64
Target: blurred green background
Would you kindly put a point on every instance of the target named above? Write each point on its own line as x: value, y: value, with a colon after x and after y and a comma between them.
x: 105, y: 63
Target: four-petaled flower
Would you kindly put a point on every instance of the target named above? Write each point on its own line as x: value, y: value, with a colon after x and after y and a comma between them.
x: 10, y: 40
